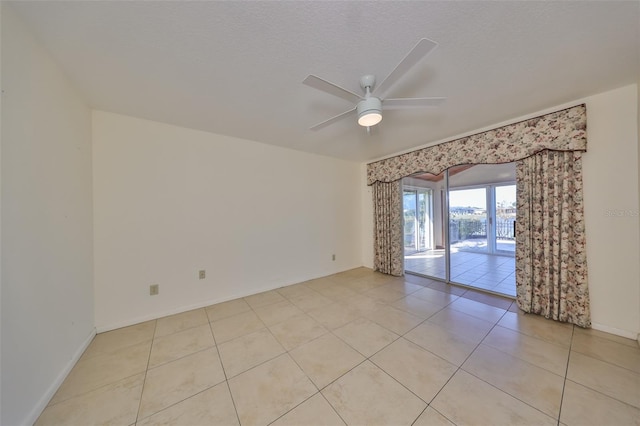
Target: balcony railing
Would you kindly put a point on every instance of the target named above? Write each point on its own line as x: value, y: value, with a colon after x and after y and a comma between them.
x: 461, y: 229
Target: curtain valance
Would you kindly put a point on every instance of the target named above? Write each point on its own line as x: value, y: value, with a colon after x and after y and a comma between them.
x: 564, y: 130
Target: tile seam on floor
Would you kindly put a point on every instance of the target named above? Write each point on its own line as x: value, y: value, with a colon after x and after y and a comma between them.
x: 523, y: 332
x: 607, y: 362
x: 514, y: 396
x: 566, y: 372
x: 524, y: 360
x: 226, y: 378
x: 405, y: 386
x: 181, y: 357
x: 355, y: 349
x: 442, y: 414
x: 177, y: 402
x: 297, y: 405
x: 261, y: 362
x: 146, y: 371
x: 180, y: 331
x: 557, y: 419
x: 94, y: 389
x: 599, y: 391
x: 603, y: 394
x: 511, y: 395
x: 266, y: 327
x: 459, y: 367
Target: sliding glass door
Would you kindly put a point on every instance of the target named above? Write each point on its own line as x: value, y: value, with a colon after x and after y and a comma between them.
x: 468, y: 219
x: 505, y: 222
x: 423, y: 225
x: 417, y: 219
x: 473, y: 222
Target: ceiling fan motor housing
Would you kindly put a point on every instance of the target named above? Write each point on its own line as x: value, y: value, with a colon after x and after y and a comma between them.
x: 368, y: 80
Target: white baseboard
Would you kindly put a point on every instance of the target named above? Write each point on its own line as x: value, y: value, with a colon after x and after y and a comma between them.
x: 181, y: 309
x: 618, y: 332
x: 173, y: 311
x: 44, y: 400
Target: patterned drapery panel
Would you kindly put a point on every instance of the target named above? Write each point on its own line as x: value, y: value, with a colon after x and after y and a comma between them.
x: 559, y: 131
x: 551, y: 260
x: 387, y: 211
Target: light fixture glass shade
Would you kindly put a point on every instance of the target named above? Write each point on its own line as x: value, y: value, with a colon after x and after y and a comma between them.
x: 370, y: 119
x: 369, y: 112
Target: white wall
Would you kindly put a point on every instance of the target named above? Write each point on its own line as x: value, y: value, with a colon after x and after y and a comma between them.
x: 47, y: 290
x: 170, y: 201
x: 0, y: 213
x: 611, y: 211
x: 638, y: 259
x: 611, y: 193
x: 366, y: 207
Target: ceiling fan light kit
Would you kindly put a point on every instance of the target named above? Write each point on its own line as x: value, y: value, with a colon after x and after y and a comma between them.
x: 369, y: 112
x: 369, y: 108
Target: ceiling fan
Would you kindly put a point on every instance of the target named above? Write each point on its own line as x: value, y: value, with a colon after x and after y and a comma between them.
x: 368, y: 107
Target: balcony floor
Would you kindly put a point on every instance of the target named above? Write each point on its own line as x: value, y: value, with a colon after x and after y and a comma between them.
x: 490, y: 272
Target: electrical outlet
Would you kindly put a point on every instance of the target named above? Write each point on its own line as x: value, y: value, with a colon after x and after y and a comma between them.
x: 202, y: 274
x: 154, y: 289
x: 333, y: 257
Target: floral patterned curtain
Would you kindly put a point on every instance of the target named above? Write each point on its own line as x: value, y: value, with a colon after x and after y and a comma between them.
x: 564, y: 130
x: 551, y: 269
x: 387, y: 211
x: 551, y: 259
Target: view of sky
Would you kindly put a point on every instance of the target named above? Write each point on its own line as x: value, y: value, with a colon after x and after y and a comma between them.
x: 477, y: 197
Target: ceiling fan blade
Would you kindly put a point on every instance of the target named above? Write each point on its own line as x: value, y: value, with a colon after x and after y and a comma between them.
x: 404, y: 103
x: 330, y: 88
x: 420, y: 50
x: 333, y: 119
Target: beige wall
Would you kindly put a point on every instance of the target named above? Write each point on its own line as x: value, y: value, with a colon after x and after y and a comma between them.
x: 611, y: 209
x: 170, y: 201
x: 47, y: 289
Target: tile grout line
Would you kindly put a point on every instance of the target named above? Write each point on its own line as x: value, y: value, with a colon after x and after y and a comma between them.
x: 365, y: 359
x: 522, y: 359
x: 607, y: 362
x: 566, y: 373
x: 589, y: 387
x: 319, y: 390
x: 421, y: 413
x: 226, y: 379
x: 494, y: 386
x: 400, y: 336
x: 465, y: 360
x: 287, y: 352
x: 144, y: 381
x: 224, y: 371
x: 176, y: 359
x: 514, y: 396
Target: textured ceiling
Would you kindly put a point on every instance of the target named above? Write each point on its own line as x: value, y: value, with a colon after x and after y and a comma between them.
x: 236, y: 68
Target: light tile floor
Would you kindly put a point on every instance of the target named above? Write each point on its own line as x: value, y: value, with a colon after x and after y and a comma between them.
x: 496, y: 273
x: 357, y: 348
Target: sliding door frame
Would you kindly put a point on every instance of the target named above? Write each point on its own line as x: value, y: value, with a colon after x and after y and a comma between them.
x: 491, y: 217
